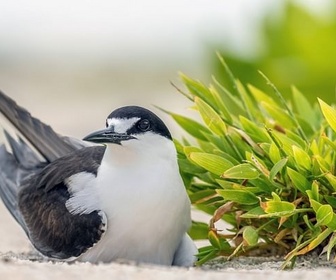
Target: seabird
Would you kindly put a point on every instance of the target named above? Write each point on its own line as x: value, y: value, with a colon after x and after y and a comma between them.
x: 117, y: 195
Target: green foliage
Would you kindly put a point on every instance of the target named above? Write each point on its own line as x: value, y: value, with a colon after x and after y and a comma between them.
x: 264, y: 165
x: 298, y: 48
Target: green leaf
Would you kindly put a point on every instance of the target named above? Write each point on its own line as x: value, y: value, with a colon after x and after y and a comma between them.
x: 277, y: 168
x: 250, y: 236
x: 331, y: 245
x: 301, y: 158
x: 276, y: 197
x: 314, y: 192
x: 210, y: 117
x: 194, y: 128
x: 202, y: 196
x: 258, y: 163
x: 317, y: 241
x: 302, y: 106
x: 247, y: 139
x: 215, y: 164
x: 222, y: 108
x: 286, y: 143
x: 260, y: 96
x: 314, y: 148
x: 308, y: 127
x: 329, y: 142
x: 197, y: 88
x: 241, y: 171
x: 279, y: 115
x: 230, y: 100
x: 239, y: 196
x: 191, y: 149
x: 279, y: 208
x: 263, y: 185
x: 274, y: 153
x: 208, y: 254
x: 331, y: 200
x: 218, y: 242
x: 257, y: 133
x: 332, y: 179
x: 329, y: 114
x: 314, y: 204
x: 299, y: 181
x: 198, y: 230
x: 189, y: 167
x: 297, y: 138
x: 254, y: 213
x: 324, y: 215
x: 308, y: 222
x: 248, y: 103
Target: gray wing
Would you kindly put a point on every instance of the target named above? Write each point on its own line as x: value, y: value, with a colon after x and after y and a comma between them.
x: 33, y: 189
x: 33, y: 145
x: 52, y: 229
x: 15, y: 166
x: 41, y: 136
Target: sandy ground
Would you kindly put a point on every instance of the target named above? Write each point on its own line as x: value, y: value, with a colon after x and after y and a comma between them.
x: 17, y: 263
x: 26, y: 270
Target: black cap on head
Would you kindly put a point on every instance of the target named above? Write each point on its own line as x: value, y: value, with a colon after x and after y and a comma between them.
x: 148, y: 121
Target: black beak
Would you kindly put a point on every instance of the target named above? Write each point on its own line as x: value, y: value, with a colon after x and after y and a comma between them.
x: 107, y: 135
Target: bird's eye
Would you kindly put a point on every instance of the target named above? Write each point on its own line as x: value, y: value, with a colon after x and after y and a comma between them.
x: 144, y: 125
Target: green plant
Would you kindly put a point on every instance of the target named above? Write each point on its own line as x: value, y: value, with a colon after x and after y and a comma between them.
x: 264, y: 165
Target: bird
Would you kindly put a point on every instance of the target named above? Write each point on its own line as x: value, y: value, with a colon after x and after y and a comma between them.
x: 117, y: 194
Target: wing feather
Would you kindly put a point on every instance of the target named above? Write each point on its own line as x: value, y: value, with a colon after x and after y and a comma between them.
x: 53, y: 230
x: 44, y: 139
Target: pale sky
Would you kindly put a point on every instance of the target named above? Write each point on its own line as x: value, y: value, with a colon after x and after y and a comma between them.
x: 128, y: 28
x: 124, y: 27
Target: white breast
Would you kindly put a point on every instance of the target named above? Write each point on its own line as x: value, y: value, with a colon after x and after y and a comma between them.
x: 147, y: 209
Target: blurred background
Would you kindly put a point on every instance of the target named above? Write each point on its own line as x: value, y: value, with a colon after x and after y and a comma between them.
x: 71, y: 62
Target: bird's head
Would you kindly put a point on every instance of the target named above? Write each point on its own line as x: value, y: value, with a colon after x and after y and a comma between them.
x: 133, y: 127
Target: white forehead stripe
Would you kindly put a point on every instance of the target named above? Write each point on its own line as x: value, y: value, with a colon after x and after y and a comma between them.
x: 122, y: 125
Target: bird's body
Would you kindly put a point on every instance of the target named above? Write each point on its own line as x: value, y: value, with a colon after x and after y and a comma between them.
x: 169, y: 205
x: 125, y: 200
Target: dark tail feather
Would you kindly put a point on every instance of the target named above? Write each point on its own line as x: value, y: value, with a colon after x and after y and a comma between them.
x: 22, y: 153
x: 34, y: 145
x: 9, y: 175
x: 15, y: 167
x: 41, y: 136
